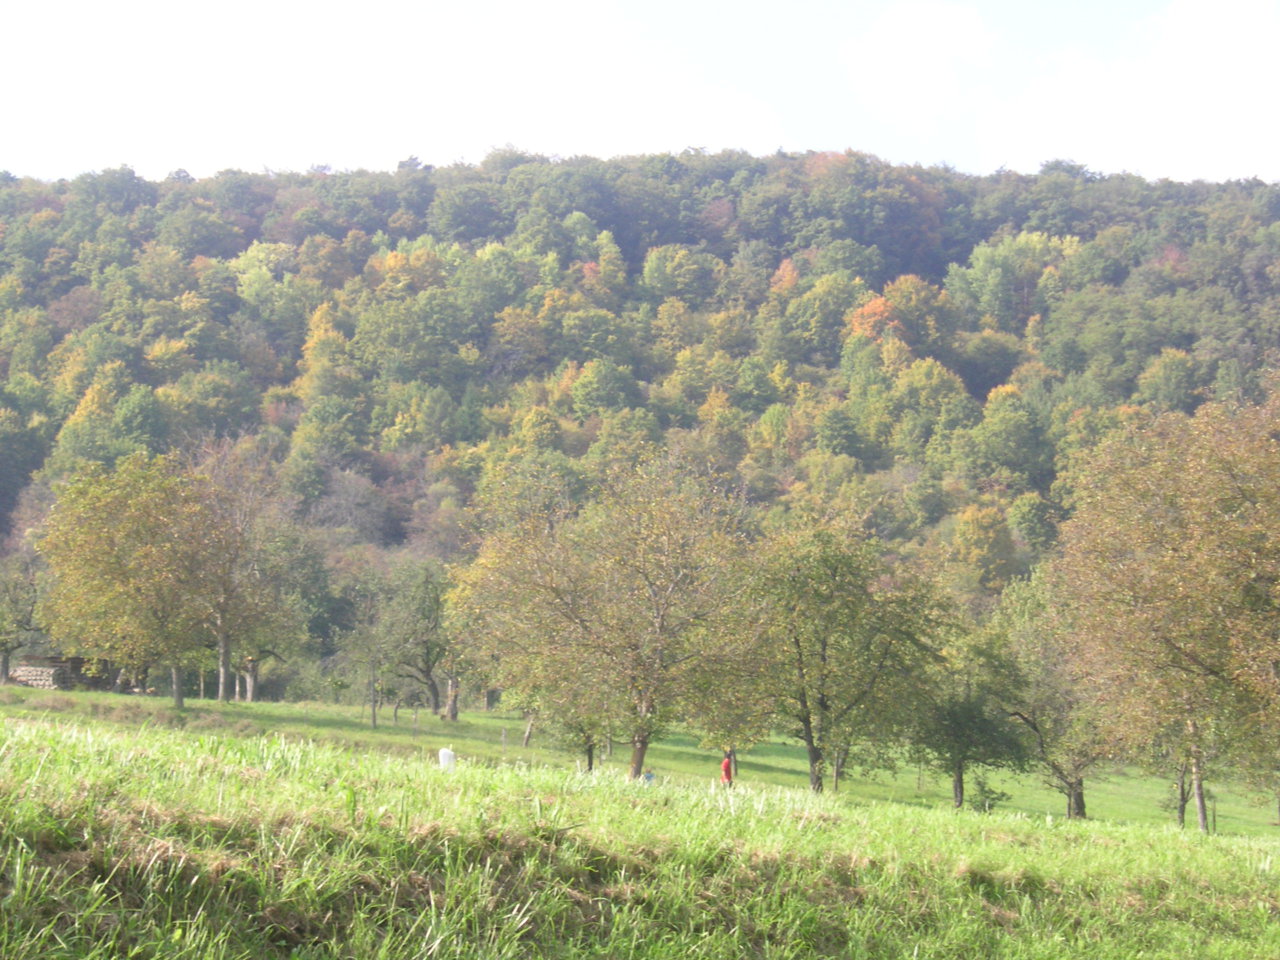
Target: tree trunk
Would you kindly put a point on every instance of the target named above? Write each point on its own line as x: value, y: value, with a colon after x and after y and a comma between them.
x: 451, y: 700
x: 591, y: 756
x: 957, y: 784
x: 433, y: 691
x: 1197, y: 787
x: 4, y: 666
x: 1197, y: 774
x: 395, y: 712
x: 1180, y: 784
x: 837, y: 768
x: 491, y: 697
x: 226, y: 676
x: 1075, y: 799
x: 175, y: 675
x: 815, y: 764
x: 639, y: 744
x: 528, y: 732
x: 251, y: 681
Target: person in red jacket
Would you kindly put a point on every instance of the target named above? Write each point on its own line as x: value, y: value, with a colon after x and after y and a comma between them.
x: 726, y: 769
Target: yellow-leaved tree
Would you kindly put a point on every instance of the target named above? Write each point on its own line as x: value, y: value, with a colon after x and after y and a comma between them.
x: 126, y: 551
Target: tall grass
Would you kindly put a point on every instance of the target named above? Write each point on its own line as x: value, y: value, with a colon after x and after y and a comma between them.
x: 164, y: 842
x: 1115, y: 794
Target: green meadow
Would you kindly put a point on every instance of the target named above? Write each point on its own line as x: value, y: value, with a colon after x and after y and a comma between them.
x: 295, y: 831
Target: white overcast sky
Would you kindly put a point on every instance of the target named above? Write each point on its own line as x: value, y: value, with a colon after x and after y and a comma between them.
x: 1184, y: 89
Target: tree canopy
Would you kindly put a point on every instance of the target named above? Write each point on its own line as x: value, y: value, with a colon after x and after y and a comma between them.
x: 126, y: 552
x: 619, y: 614
x: 1168, y: 577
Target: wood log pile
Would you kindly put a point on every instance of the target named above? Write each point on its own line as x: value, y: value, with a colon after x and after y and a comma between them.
x: 44, y: 678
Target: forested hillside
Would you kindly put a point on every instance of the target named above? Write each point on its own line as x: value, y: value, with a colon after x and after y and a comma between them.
x: 431, y: 414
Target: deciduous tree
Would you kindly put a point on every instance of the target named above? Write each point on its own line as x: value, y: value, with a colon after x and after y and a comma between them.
x: 245, y: 596
x: 850, y: 637
x: 1170, y: 579
x: 127, y: 549
x: 1058, y: 708
x: 622, y: 610
x: 412, y: 623
x: 959, y: 722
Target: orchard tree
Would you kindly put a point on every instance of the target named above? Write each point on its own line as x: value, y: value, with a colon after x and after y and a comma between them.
x: 568, y: 705
x: 412, y: 624
x: 245, y: 597
x: 959, y: 722
x: 128, y: 552
x: 363, y: 586
x: 625, y: 608
x: 1057, y: 706
x: 1170, y: 580
x: 850, y: 638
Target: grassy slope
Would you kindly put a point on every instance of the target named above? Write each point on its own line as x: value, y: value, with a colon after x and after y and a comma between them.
x: 1121, y: 795
x: 155, y: 841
